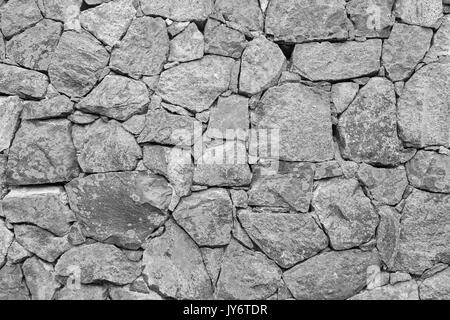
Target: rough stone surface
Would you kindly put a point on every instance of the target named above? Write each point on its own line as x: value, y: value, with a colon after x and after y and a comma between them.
x: 388, y: 235
x: 40, y: 278
x: 213, y: 257
x: 222, y: 40
x: 22, y: 82
x: 121, y: 208
x: 188, y: 45
x: 17, y: 253
x: 17, y: 15
x: 12, y: 285
x: 419, y: 12
x: 436, y: 287
x: 67, y: 11
x: 402, y: 291
x: 6, y: 238
x: 441, y: 42
x: 124, y: 293
x: 55, y: 107
x: 343, y: 94
x: 245, y: 13
x: 328, y: 169
x: 84, y: 292
x: 183, y: 10
x: 10, y: 110
x: 430, y: 171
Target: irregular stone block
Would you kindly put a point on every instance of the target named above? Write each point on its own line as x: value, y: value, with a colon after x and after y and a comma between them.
x: 222, y: 40
x: 424, y: 13
x: 388, y: 235
x: 12, y: 285
x: 184, y: 10
x: 22, y: 82
x: 6, y: 238
x: 40, y: 278
x: 440, y: 47
x: 343, y: 94
x: 10, y: 109
x: 55, y: 107
x: 372, y: 19
x: 245, y: 13
x: 17, y: 15
x: 188, y: 45
x: 401, y: 291
x: 436, y: 287
x: 84, y: 292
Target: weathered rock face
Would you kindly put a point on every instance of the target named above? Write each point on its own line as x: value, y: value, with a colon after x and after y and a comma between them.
x: 342, y: 95
x: 285, y: 238
x: 430, y: 171
x: 3, y: 186
x: 124, y: 293
x: 405, y: 48
x: 77, y: 63
x: 105, y: 146
x: 55, y: 107
x: 173, y: 264
x: 303, y: 136
x: 40, y: 278
x: 336, y: 61
x: 188, y: 45
x: 246, y: 274
x: 33, y: 48
x: 84, y: 292
x: 423, y: 107
x: 328, y: 169
x: 245, y: 13
x: 368, y: 128
x: 144, y: 48
x: 222, y: 40
x: 98, y: 262
x: 330, y: 275
x: 402, y: 291
x: 67, y: 11
x: 419, y: 12
x: 345, y: 212
x: 424, y: 236
x: 17, y: 15
x: 183, y: 10
x: 262, y: 63
x: 121, y: 208
x: 388, y: 235
x: 195, y: 85
x: 42, y: 152
x: 207, y: 216
x: 22, y: 82
x: 10, y: 109
x: 213, y: 257
x: 436, y: 287
x: 6, y: 238
x: 12, y: 285
x: 290, y: 188
x: 441, y: 42
x: 305, y: 20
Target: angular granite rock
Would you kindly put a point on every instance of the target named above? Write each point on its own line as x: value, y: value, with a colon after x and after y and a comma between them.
x: 303, y: 136
x: 261, y: 66
x: 401, y: 291
x: 77, y: 63
x: 67, y: 11
x: 222, y: 40
x: 337, y: 61
x: 10, y: 109
x: 372, y: 19
x: 40, y: 278
x: 246, y: 274
x: 245, y: 13
x: 195, y: 85
x: 173, y: 163
x: 239, y: 198
x: 307, y: 20
x: 79, y: 117
x: 143, y: 50
x: 436, y: 287
x: 342, y: 94
x: 122, y: 208
x: 346, y: 214
x: 330, y: 275
x: 424, y: 107
x: 213, y: 257
x: 17, y: 253
x: 6, y: 238
x: 98, y: 262
x: 12, y: 285
x: 184, y: 10
x: 424, y: 13
x: 84, y: 292
x: 207, y: 216
x: 109, y: 21
x: 105, y: 146
x: 42, y: 152
x: 173, y: 265
x: 45, y: 207
x: 291, y: 187
x: 385, y: 185
x: 441, y: 42
x: 55, y: 107
x: 124, y: 293
x: 388, y: 234
x: 22, y: 82
x: 424, y: 236
x: 285, y: 238
x: 3, y: 186
x: 188, y: 45
x: 34, y: 47
x: 368, y: 128
x: 429, y: 171
x: 405, y: 48
x: 17, y: 15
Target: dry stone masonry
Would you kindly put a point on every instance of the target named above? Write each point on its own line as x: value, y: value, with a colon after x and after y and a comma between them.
x: 224, y: 149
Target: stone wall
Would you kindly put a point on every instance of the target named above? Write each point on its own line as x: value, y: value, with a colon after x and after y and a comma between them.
x: 225, y: 149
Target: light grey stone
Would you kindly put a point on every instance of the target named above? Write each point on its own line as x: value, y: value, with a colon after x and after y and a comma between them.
x: 343, y: 94
x: 12, y: 285
x: 67, y: 11
x: 436, y: 287
x: 22, y: 82
x: 401, y: 291
x: 83, y: 292
x: 188, y: 45
x: 184, y: 10
x: 213, y: 257
x: 17, y: 253
x: 222, y: 40
x: 328, y: 169
x: 10, y: 110
x: 124, y: 293
x: 6, y: 238
x: 55, y: 107
x: 388, y: 235
x: 372, y: 19
x: 245, y: 13
x: 17, y: 15
x: 419, y: 12
x: 441, y: 42
x: 40, y: 278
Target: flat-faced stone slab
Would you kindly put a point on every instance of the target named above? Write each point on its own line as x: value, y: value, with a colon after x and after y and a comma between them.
x: 372, y: 19
x: 388, y: 234
x: 222, y: 40
x: 122, y: 208
x: 42, y: 152
x: 430, y: 171
x: 17, y: 15
x: 343, y: 94
x: 337, y: 61
x: 441, y: 42
x: 184, y: 10
x: 245, y: 13
x: 436, y: 287
x: 40, y: 278
x: 401, y: 291
x: 419, y: 12
x: 188, y: 45
x: 22, y: 82
x: 303, y: 136
x: 424, y: 107
x: 330, y: 275
x: 305, y: 20
x: 10, y: 109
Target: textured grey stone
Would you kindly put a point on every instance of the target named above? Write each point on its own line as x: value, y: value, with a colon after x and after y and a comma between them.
x: 419, y: 12
x: 368, y: 128
x: 337, y: 61
x: 330, y: 275
x: 17, y: 15
x: 6, y: 238
x: 429, y: 124
x: 10, y: 110
x: 67, y: 11
x: 397, y: 277
x: 303, y: 136
x: 441, y: 42
x: 436, y: 287
x: 173, y: 264
x: 188, y: 45
x: 45, y: 207
x: 135, y: 124
x: 22, y: 82
x: 177, y: 10
x: 33, y: 48
x: 3, y: 187
x: 213, y: 257
x: 306, y: 20
x: 54, y: 107
x: 261, y: 66
x: 84, y: 292
x: 424, y: 236
x: 388, y: 234
x: 124, y: 293
x: 430, y: 171
x: 121, y: 208
x: 372, y: 19
x: 401, y: 291
x: 176, y: 27
x: 12, y: 285
x: 98, y: 262
x: 207, y: 216
x: 343, y: 94
x: 42, y: 152
x: 405, y: 48
x: 291, y: 187
x: 239, y: 198
x: 17, y: 253
x: 285, y: 238
x: 345, y: 212
x: 328, y: 169
x: 40, y: 278
x: 2, y: 48
x: 109, y: 21
x: 144, y: 48
x: 245, y: 13
x: 79, y: 117
x: 246, y: 274
x: 105, y: 146
x: 195, y: 85
x: 222, y: 40
x: 77, y: 63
